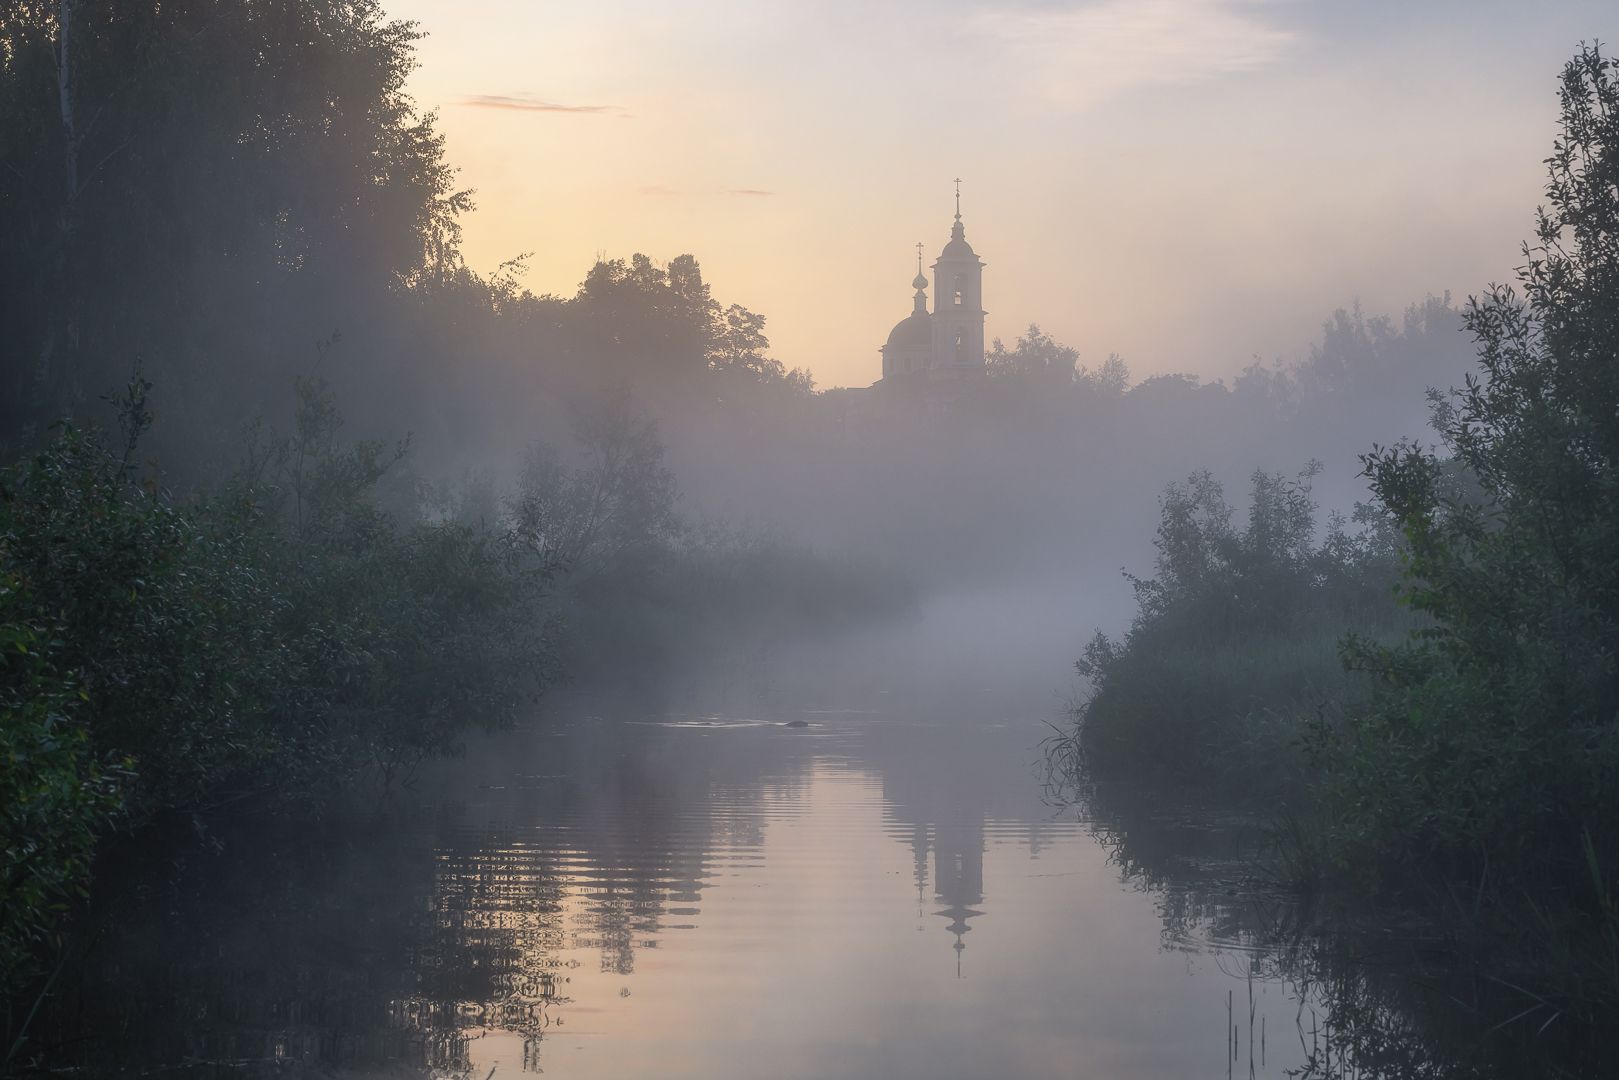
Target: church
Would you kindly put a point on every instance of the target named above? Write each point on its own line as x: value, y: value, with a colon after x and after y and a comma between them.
x: 947, y: 343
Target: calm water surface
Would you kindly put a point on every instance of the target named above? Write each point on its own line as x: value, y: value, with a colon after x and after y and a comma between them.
x: 869, y: 896
x: 633, y: 893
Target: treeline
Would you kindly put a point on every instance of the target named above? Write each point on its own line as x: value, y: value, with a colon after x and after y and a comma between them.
x: 216, y: 188
x: 1433, y: 695
x: 213, y: 188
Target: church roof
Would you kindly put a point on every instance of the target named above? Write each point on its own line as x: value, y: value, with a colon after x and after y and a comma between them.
x: 958, y: 245
x: 912, y: 332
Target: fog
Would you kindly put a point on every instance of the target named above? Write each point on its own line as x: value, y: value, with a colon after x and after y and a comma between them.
x: 403, y: 652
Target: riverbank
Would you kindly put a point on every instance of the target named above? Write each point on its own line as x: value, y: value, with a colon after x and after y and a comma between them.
x: 1244, y: 691
x: 1460, y: 766
x: 1410, y: 985
x: 316, y: 622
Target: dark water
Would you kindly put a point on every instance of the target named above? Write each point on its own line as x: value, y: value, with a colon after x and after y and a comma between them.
x: 629, y: 891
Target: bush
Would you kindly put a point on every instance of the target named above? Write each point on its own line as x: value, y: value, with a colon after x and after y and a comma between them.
x: 1234, y: 648
x: 1495, y: 743
x: 55, y: 796
x: 162, y: 655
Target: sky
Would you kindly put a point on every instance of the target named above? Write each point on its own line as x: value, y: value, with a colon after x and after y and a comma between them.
x: 1192, y: 184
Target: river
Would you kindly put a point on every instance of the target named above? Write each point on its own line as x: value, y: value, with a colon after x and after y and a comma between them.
x: 829, y: 877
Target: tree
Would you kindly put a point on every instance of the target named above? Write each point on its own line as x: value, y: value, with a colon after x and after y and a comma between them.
x: 643, y: 324
x: 1112, y: 378
x: 186, y: 182
x: 1037, y: 357
x: 1496, y: 741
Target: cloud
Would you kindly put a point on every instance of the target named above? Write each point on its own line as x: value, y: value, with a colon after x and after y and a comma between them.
x: 527, y: 103
x: 1077, y: 55
x: 748, y: 191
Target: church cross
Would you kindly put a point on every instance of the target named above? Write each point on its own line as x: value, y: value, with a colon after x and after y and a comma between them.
x: 958, y: 198
x: 919, y: 256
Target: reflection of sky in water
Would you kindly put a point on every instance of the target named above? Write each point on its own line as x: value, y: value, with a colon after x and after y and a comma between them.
x: 862, y: 898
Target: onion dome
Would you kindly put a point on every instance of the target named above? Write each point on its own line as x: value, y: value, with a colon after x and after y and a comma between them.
x: 915, y: 331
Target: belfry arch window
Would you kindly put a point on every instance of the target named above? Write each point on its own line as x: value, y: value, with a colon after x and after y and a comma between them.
x: 961, y: 288
x: 961, y: 344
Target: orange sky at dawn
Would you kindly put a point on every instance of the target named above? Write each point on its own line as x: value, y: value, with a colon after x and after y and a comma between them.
x: 1189, y: 183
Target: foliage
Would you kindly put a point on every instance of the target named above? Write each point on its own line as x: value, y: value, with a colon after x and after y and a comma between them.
x: 422, y: 627
x: 1235, y: 636
x: 638, y: 585
x: 606, y: 512
x: 1036, y: 356
x: 283, y: 632
x: 1467, y: 763
x: 55, y: 796
x: 1494, y: 741
x: 658, y: 328
x: 199, y: 181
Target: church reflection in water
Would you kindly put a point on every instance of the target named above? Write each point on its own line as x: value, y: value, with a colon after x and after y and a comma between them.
x: 958, y: 876
x: 942, y: 805
x: 499, y: 902
x: 609, y: 864
x: 640, y: 885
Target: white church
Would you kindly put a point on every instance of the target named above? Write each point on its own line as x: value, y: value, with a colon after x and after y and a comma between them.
x: 948, y: 342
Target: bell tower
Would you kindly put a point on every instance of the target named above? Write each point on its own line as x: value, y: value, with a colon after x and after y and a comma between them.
x: 958, y: 303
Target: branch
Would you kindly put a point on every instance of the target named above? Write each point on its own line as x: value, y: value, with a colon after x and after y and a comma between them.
x: 110, y: 154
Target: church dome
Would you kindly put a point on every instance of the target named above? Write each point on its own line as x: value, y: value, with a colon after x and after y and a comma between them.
x: 958, y: 246
x: 920, y: 281
x: 913, y: 332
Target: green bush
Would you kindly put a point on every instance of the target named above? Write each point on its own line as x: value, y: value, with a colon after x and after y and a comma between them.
x: 1494, y: 742
x: 166, y: 655
x: 1470, y: 748
x: 1234, y: 650
x: 55, y: 796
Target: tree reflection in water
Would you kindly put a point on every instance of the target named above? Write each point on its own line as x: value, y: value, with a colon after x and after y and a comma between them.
x: 1382, y: 995
x: 392, y: 940
x: 514, y: 892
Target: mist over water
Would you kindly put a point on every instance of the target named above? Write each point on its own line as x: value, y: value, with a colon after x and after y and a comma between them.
x: 413, y: 668
x: 632, y: 890
x: 847, y: 862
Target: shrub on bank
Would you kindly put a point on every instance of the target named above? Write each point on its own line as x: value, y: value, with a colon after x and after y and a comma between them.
x: 1493, y: 750
x: 1475, y: 754
x: 290, y: 629
x: 167, y: 655
x: 1233, y: 652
